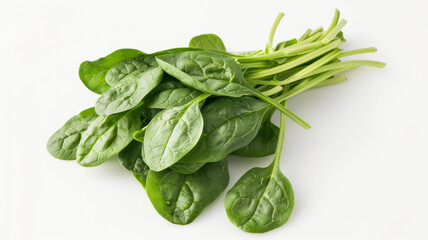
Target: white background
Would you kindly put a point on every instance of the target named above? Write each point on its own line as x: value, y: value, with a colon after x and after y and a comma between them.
x: 361, y: 172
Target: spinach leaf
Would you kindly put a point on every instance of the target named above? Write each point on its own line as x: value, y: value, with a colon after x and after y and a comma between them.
x: 263, y: 198
x: 141, y: 178
x: 206, y: 71
x: 172, y: 133
x: 229, y: 124
x: 264, y: 144
x: 107, y: 136
x: 180, y: 198
x: 129, y: 92
x: 216, y: 74
x: 172, y: 97
x: 187, y: 168
x: 208, y: 42
x: 63, y: 143
x: 92, y: 73
x: 131, y: 158
x: 122, y: 69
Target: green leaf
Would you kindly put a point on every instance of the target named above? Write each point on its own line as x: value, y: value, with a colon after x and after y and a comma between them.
x: 131, y: 158
x: 122, y: 69
x: 142, y: 178
x: 263, y: 198
x: 260, y: 201
x: 264, y: 144
x: 129, y: 92
x: 170, y: 94
x: 208, y: 42
x: 172, y: 133
x: 187, y: 168
x: 63, y: 143
x: 229, y: 124
x: 180, y: 198
x: 206, y: 71
x: 92, y: 73
x: 106, y: 137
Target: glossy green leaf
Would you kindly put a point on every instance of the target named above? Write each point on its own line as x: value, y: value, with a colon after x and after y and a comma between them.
x: 92, y: 73
x: 124, y: 68
x: 263, y: 198
x: 229, y: 124
x: 106, y: 137
x: 142, y: 178
x: 206, y: 71
x: 63, y: 143
x: 172, y: 133
x: 187, y: 168
x: 131, y: 158
x: 129, y: 92
x: 208, y: 42
x: 260, y: 201
x: 172, y: 97
x: 180, y: 198
x: 264, y: 144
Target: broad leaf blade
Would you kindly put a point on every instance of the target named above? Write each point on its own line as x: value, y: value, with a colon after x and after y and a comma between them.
x: 92, y: 73
x: 229, y: 124
x: 264, y: 144
x: 169, y: 98
x: 208, y: 42
x: 260, y: 201
x: 171, y: 134
x: 106, y: 137
x: 209, y: 72
x: 180, y: 198
x: 187, y: 168
x: 131, y: 158
x: 63, y: 143
x: 124, y: 68
x: 129, y: 92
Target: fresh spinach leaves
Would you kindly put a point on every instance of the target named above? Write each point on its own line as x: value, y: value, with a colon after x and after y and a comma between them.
x: 92, y: 73
x: 208, y: 42
x: 180, y: 198
x: 175, y: 115
x: 63, y: 143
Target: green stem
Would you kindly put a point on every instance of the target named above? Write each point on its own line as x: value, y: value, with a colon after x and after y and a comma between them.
x: 296, y: 62
x: 358, y: 51
x: 269, y: 47
x: 331, y: 35
x: 309, y: 39
x: 281, y: 108
x: 317, y: 64
x: 339, y: 65
x: 281, y: 135
x: 316, y: 30
x: 264, y: 82
x: 304, y: 35
x: 331, y: 81
x: 311, y: 83
x: 254, y: 65
x: 272, y: 91
x: 333, y: 22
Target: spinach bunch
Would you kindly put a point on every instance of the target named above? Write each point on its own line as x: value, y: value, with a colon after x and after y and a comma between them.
x: 173, y: 117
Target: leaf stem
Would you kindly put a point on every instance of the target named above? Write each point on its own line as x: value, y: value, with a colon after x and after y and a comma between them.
x: 269, y: 47
x: 296, y: 62
x: 281, y: 108
x: 281, y: 136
